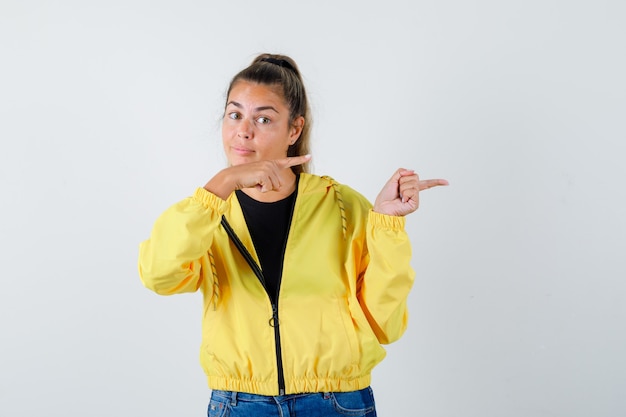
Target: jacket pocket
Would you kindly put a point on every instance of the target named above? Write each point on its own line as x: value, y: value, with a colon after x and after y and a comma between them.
x: 352, y: 341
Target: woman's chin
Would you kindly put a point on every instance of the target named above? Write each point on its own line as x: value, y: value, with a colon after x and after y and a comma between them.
x: 239, y: 160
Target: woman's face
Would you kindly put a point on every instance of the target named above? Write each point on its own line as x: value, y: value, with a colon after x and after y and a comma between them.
x: 256, y: 124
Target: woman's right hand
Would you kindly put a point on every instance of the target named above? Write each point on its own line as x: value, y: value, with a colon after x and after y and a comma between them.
x: 263, y: 175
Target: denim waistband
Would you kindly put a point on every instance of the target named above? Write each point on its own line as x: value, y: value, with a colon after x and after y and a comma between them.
x: 235, y: 396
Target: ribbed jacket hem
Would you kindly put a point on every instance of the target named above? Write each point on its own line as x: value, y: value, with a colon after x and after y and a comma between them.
x: 293, y: 386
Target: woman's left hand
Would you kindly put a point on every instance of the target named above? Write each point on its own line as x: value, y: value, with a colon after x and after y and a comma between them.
x: 400, y: 195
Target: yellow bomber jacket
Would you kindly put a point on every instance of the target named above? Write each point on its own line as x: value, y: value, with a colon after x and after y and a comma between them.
x: 346, y: 278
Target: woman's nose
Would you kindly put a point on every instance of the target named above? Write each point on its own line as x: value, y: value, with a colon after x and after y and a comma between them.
x: 245, y: 130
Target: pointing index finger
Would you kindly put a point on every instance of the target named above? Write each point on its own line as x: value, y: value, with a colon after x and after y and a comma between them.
x: 426, y: 184
x: 293, y: 160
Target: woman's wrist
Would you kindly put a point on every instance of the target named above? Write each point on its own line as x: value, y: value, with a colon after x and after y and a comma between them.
x: 220, y: 185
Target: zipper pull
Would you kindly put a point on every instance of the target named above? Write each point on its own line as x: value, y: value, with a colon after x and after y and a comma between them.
x: 273, y: 322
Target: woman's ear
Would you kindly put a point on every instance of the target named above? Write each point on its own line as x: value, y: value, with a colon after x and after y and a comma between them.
x: 296, y: 129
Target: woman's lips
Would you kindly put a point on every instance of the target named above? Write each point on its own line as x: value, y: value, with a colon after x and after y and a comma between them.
x: 242, y: 151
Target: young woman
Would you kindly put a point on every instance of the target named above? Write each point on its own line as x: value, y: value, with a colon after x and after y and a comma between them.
x: 303, y: 279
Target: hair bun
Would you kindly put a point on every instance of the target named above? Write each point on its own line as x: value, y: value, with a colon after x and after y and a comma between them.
x: 280, y: 62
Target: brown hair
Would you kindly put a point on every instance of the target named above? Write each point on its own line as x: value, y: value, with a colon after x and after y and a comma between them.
x: 282, y: 71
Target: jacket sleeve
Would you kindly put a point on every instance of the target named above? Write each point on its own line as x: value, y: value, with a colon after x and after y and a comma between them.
x: 175, y: 257
x: 386, y: 276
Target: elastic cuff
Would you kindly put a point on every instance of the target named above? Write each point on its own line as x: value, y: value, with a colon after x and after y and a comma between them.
x: 210, y: 200
x: 385, y: 221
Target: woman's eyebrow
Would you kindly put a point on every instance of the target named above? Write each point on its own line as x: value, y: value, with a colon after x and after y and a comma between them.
x: 262, y: 108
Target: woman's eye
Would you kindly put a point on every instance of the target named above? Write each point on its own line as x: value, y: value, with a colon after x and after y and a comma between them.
x: 234, y: 116
x: 263, y: 120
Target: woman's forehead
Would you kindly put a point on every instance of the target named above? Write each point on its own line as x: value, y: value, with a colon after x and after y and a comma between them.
x: 246, y: 92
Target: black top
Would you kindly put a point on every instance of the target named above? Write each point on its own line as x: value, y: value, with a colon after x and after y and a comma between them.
x: 268, y: 224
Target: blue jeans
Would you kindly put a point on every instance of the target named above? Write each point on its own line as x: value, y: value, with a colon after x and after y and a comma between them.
x: 238, y: 404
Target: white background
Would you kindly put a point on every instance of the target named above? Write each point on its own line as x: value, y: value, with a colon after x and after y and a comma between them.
x: 110, y: 112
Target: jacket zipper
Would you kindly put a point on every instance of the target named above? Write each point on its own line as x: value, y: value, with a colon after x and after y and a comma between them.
x: 274, y: 320
x: 275, y: 323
